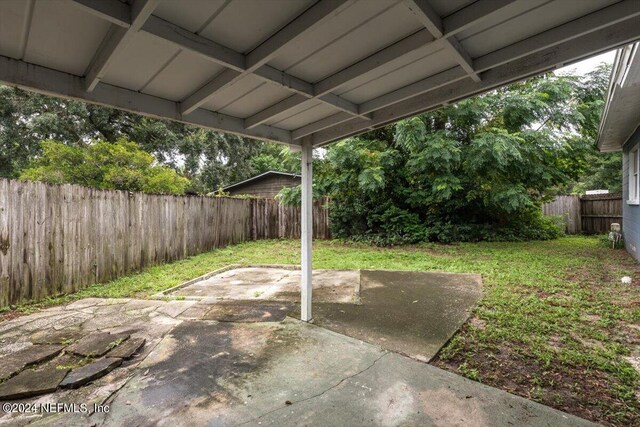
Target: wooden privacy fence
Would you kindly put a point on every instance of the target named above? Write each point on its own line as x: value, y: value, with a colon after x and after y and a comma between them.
x: 590, y: 214
x: 270, y: 219
x: 57, y: 239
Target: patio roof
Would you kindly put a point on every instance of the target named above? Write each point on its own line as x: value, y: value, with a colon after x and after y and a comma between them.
x: 283, y: 70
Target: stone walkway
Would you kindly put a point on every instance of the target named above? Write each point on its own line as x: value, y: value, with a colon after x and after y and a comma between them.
x: 96, y: 341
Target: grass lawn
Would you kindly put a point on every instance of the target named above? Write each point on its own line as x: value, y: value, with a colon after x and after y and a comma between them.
x: 555, y: 323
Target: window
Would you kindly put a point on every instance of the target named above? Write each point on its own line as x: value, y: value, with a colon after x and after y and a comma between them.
x: 634, y: 190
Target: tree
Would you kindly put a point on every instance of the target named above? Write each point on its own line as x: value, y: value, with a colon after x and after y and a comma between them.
x: 209, y: 159
x: 276, y: 157
x: 27, y: 118
x: 116, y: 166
x: 475, y: 170
x: 598, y: 170
x: 602, y: 171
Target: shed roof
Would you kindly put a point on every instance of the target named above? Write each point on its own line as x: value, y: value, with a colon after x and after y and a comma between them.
x: 259, y: 177
x: 621, y: 115
x: 283, y: 70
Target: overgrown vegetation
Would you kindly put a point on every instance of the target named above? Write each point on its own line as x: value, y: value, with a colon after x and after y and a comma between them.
x: 475, y: 170
x: 554, y: 324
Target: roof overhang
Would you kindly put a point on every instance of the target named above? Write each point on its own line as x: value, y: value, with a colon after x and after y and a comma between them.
x: 621, y: 114
x: 259, y: 177
x: 284, y: 70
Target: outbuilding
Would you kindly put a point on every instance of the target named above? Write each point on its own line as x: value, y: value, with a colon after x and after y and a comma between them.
x: 267, y: 184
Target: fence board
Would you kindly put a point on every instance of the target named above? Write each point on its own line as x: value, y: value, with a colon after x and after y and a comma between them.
x: 5, y: 241
x: 568, y: 207
x: 59, y: 239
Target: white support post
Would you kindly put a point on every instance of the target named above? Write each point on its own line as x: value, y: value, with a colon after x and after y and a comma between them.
x: 307, y: 229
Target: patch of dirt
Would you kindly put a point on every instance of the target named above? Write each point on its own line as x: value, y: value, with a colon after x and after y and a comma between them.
x: 543, y: 294
x: 630, y: 304
x: 629, y: 334
x: 588, y: 342
x: 10, y: 315
x: 577, y: 390
x: 592, y: 318
x: 555, y: 342
x: 478, y: 323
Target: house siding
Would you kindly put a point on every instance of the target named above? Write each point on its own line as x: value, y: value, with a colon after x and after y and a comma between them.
x: 630, y: 213
x: 268, y: 186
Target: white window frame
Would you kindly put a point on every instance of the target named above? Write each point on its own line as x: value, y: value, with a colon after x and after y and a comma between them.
x: 634, y: 175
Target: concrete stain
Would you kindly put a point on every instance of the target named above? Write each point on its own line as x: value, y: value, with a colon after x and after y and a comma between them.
x: 439, y: 405
x: 200, y: 366
x: 412, y: 313
x: 396, y: 405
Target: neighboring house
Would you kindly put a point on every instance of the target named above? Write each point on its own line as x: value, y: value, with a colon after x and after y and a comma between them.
x: 266, y: 184
x: 620, y: 130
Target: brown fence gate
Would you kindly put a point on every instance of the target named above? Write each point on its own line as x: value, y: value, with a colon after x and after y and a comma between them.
x: 589, y: 214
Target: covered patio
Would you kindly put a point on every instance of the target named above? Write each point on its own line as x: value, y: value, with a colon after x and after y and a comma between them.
x: 302, y: 73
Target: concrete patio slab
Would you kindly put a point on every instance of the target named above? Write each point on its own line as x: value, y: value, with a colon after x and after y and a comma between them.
x: 398, y: 391
x: 194, y: 371
x: 248, y: 311
x: 413, y: 313
x: 208, y: 373
x: 273, y: 283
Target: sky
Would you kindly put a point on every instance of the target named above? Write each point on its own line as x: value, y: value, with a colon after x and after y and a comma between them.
x: 587, y: 65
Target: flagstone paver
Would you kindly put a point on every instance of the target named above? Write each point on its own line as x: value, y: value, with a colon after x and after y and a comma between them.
x: 196, y: 311
x: 127, y: 349
x: 74, y: 320
x: 175, y: 308
x: 83, y: 303
x: 65, y: 336
x: 87, y: 373
x: 45, y: 322
x: 32, y: 383
x: 8, y: 347
x: 96, y: 344
x: 15, y: 362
